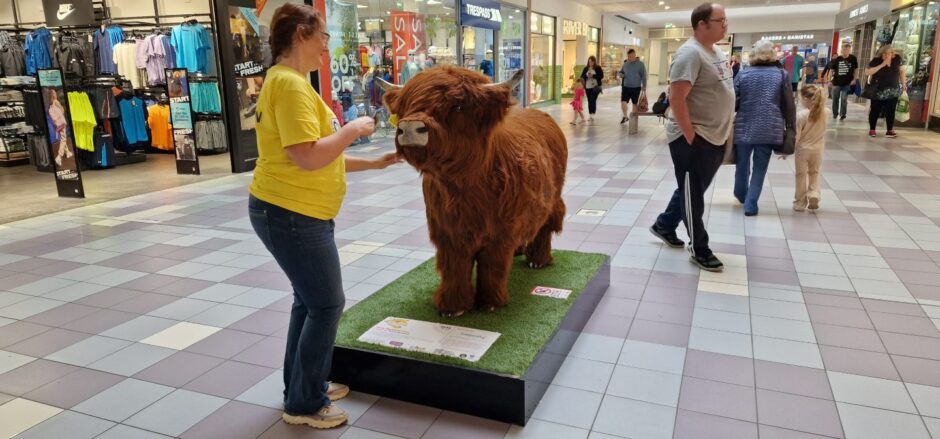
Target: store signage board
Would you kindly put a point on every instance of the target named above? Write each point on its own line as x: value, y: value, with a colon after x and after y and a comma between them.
x: 181, y: 118
x: 68, y: 178
x: 790, y: 37
x: 575, y: 28
x: 69, y: 12
x: 862, y: 13
x: 481, y: 13
x: 408, y: 34
x: 433, y: 338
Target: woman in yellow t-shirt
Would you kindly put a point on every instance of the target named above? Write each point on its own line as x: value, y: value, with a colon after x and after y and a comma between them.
x: 298, y: 187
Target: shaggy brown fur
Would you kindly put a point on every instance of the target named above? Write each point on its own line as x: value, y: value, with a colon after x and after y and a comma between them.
x: 492, y: 179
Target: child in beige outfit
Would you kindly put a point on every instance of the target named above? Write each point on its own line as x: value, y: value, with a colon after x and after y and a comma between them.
x: 811, y: 123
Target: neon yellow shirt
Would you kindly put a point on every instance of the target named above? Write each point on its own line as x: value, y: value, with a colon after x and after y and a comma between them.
x: 290, y: 112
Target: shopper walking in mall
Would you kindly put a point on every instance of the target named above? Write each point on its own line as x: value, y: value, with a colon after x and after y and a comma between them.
x: 811, y: 70
x: 633, y: 82
x: 810, y: 143
x: 298, y: 187
x: 702, y: 104
x: 887, y: 76
x: 735, y: 65
x: 593, y: 77
x: 764, y: 109
x: 793, y: 63
x: 842, y: 74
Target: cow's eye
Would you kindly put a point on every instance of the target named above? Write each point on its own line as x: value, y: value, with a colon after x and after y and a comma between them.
x: 457, y: 108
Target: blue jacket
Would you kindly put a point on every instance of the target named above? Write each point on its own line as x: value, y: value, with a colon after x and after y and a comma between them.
x: 38, y: 50
x: 759, y: 119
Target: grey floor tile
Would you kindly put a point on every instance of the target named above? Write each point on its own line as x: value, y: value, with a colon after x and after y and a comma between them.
x: 787, y: 351
x: 720, y: 399
x: 68, y: 424
x: 801, y: 413
x: 123, y: 400
x: 798, y: 380
x: 871, y: 423
x: 652, y: 356
x: 176, y: 413
x: 88, y: 350
x: 221, y: 315
x: 722, y: 321
x: 568, y: 406
x: 47, y: 342
x: 645, y: 385
x: 132, y: 359
x: 398, y: 418
x: 927, y: 399
x: 589, y: 375
x: 235, y: 420
x: 721, y: 342
x: 871, y: 392
x: 269, y: 392
x: 73, y: 388
x: 138, y: 328
x: 32, y: 375
x: 857, y: 362
x: 720, y: 367
x: 630, y: 418
x: 182, y: 309
x: 229, y: 379
x: 696, y: 425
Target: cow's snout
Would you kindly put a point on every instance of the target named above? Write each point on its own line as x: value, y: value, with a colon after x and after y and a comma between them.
x: 412, y: 133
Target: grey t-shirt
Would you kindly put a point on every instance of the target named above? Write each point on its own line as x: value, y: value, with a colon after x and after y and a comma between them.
x: 711, y: 101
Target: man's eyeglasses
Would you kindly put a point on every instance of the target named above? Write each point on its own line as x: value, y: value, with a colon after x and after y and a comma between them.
x: 326, y: 36
x: 723, y: 21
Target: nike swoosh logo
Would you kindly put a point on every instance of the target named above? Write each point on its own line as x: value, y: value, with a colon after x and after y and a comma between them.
x: 60, y: 14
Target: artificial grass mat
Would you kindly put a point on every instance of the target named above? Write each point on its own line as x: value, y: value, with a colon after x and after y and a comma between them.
x: 525, y: 324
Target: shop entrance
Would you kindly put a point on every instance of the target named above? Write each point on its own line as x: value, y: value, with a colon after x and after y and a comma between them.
x: 478, y: 54
x: 569, y: 57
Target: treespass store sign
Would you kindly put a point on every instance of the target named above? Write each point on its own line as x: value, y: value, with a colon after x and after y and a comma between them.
x: 480, y: 13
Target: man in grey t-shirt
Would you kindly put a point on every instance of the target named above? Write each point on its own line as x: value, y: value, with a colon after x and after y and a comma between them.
x: 633, y: 75
x: 702, y: 104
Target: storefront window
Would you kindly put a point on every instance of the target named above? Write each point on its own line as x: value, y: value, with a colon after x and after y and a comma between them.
x: 542, y: 83
x: 915, y: 29
x: 611, y: 62
x: 512, y: 45
x: 478, y: 50
x: 593, y: 41
x: 389, y: 39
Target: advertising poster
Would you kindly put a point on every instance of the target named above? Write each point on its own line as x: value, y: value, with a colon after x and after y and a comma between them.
x: 408, y: 34
x: 249, y: 65
x: 432, y: 338
x: 59, y: 133
x: 181, y: 118
x: 345, y: 63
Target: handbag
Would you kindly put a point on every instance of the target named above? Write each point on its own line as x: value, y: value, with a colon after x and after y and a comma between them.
x: 731, y: 155
x: 788, y: 146
x: 870, y: 91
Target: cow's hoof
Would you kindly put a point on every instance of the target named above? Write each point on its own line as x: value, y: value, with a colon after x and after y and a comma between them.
x: 452, y: 315
x: 536, y: 265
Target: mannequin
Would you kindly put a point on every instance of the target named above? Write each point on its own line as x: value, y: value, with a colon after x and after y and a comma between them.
x: 486, y: 67
x: 410, y: 68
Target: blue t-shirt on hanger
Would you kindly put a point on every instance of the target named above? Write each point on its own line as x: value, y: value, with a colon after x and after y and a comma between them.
x: 191, y: 43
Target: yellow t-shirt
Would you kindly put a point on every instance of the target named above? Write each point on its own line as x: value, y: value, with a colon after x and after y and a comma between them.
x: 289, y: 112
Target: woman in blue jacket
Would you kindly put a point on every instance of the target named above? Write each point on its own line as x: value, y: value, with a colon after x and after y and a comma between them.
x: 764, y: 110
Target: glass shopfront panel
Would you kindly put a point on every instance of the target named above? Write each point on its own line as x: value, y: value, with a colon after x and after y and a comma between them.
x: 914, y: 31
x: 511, y: 45
x: 478, y: 50
x: 542, y: 78
x: 389, y: 39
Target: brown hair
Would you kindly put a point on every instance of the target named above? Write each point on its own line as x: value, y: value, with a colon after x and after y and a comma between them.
x: 702, y: 12
x: 813, y: 100
x: 592, y: 61
x: 287, y: 21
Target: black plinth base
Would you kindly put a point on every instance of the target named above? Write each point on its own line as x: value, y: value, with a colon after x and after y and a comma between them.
x: 488, y: 395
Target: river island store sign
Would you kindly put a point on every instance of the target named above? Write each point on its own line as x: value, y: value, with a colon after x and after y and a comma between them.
x: 480, y: 13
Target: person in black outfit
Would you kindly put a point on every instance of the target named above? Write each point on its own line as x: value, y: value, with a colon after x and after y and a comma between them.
x: 843, y: 71
x: 887, y: 76
x: 593, y: 77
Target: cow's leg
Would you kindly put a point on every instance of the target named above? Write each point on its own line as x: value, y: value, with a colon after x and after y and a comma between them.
x: 455, y: 295
x: 539, y: 251
x: 493, y: 265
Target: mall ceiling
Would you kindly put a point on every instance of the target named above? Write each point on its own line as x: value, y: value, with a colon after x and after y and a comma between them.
x: 638, y: 6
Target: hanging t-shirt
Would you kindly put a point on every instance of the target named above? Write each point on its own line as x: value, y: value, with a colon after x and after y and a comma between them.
x: 38, y: 50
x: 125, y: 57
x: 168, y: 51
x: 104, y: 42
x: 133, y: 119
x: 158, y: 119
x: 191, y: 42
x: 155, y: 60
x: 83, y: 120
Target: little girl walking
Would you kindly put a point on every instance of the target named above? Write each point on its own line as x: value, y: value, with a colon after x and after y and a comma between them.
x: 811, y: 123
x: 576, y: 103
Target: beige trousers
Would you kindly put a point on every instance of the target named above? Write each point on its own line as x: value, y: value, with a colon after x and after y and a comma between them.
x: 808, y: 162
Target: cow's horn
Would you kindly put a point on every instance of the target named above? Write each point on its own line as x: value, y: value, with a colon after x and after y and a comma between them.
x: 385, y: 85
x: 510, y: 83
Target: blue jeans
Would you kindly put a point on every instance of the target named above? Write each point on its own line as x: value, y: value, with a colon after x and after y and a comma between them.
x: 749, y: 192
x: 840, y: 99
x: 305, y: 250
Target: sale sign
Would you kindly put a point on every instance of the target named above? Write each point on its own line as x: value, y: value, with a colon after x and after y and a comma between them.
x: 407, y: 34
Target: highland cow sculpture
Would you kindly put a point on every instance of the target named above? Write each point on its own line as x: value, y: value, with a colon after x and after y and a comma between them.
x: 492, y: 178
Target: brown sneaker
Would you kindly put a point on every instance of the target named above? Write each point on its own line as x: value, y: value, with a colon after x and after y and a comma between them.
x: 329, y: 416
x: 813, y: 203
x: 337, y: 392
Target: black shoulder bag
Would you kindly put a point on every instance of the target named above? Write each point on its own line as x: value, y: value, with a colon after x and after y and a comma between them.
x: 788, y: 110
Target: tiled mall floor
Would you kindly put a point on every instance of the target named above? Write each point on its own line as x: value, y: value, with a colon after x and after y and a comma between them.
x: 162, y: 315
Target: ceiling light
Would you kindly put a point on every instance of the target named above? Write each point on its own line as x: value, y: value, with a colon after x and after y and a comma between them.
x: 662, y: 3
x: 510, y: 17
x: 433, y: 2
x: 362, y: 6
x: 666, y: 7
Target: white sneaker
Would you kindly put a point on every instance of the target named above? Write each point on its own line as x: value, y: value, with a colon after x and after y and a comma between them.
x: 337, y: 392
x: 329, y: 416
x: 58, y: 160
